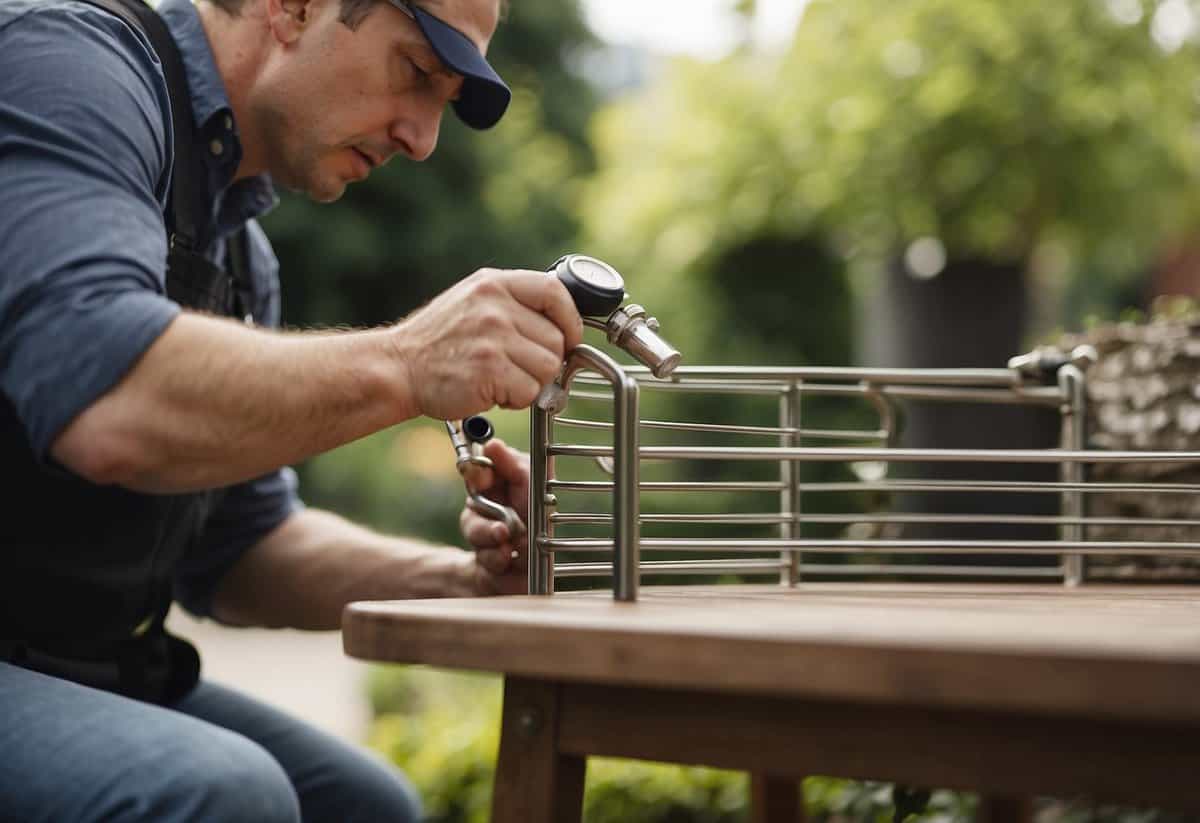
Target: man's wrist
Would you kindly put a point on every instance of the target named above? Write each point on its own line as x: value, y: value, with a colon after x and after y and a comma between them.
x: 399, y: 359
x: 463, y: 575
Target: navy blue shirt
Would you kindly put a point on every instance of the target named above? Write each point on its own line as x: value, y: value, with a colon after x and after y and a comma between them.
x: 85, y: 161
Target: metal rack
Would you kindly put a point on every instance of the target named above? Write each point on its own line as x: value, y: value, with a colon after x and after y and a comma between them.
x: 605, y: 399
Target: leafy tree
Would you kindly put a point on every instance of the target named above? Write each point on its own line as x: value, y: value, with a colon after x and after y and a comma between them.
x: 1022, y: 133
x: 970, y: 142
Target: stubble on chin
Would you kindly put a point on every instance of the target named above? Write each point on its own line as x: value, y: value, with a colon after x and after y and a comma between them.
x: 297, y: 167
x: 308, y: 178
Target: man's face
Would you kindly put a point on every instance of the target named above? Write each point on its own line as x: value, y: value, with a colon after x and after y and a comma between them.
x: 336, y: 102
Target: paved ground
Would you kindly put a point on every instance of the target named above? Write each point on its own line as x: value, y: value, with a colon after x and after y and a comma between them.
x: 305, y: 673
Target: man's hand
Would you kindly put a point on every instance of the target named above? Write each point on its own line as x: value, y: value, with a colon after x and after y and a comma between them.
x: 493, y: 339
x: 501, y: 559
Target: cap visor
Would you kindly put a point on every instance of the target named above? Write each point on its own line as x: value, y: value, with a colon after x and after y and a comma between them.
x: 484, y: 96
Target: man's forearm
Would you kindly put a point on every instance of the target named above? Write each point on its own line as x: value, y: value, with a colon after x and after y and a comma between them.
x: 214, y: 402
x: 303, y: 573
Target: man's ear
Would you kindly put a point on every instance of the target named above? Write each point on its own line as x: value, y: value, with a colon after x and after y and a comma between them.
x: 288, y: 18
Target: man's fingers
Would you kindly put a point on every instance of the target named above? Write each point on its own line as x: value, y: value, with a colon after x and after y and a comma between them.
x: 482, y: 532
x: 517, y: 387
x: 511, y: 467
x: 541, y: 364
x: 510, y: 464
x: 504, y: 559
x: 495, y: 561
x: 544, y: 293
x: 539, y: 329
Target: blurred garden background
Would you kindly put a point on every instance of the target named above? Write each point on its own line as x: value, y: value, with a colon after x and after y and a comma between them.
x: 838, y: 182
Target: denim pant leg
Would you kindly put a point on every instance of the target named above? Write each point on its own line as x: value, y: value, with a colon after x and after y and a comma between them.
x: 71, y: 754
x: 336, y: 782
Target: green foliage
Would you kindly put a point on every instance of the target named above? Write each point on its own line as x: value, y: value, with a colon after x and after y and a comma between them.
x: 442, y: 729
x: 1051, y: 134
x: 994, y: 126
x: 402, y: 481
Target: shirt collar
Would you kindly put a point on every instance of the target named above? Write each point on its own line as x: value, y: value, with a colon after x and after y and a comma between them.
x: 213, y: 115
x: 204, y: 81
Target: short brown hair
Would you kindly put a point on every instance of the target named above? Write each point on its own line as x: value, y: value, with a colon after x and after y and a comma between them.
x: 352, y: 13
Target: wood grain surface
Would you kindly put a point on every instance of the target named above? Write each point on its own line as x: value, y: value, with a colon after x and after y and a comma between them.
x: 1100, y: 652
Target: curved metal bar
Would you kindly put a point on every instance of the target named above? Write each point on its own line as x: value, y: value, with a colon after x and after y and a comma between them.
x: 497, y: 511
x: 469, y: 458
x: 624, y: 452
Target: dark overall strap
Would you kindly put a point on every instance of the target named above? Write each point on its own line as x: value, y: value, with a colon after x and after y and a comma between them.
x: 192, y: 281
x: 147, y: 663
x: 238, y: 266
x: 188, y: 169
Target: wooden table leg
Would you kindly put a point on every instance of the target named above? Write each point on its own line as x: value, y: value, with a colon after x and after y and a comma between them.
x: 775, y: 799
x: 535, y: 783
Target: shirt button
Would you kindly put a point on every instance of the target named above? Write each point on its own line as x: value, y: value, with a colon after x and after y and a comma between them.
x: 217, y: 148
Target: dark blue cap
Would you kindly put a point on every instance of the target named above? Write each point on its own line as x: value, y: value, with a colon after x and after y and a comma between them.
x: 484, y: 96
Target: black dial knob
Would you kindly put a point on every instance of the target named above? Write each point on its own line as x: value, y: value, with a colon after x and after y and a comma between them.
x: 477, y: 429
x: 596, y: 287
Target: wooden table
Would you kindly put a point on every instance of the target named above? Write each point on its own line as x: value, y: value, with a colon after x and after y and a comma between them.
x: 1011, y: 691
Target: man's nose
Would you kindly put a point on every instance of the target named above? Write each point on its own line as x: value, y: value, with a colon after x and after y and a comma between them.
x: 417, y: 133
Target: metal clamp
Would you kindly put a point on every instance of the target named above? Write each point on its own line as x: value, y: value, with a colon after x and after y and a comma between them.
x: 469, y: 437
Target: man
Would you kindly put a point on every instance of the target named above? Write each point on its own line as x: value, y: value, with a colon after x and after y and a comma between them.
x: 145, y: 436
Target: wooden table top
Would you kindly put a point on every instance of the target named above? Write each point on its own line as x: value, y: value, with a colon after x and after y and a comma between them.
x: 1096, y: 651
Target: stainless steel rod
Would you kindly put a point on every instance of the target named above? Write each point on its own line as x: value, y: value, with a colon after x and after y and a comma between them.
x: 773, y: 431
x: 765, y: 518
x: 541, y: 469
x: 1073, y: 435
x: 624, y: 451
x: 1040, y: 395
x: 1031, y: 397
x: 667, y: 486
x: 886, y: 486
x: 768, y: 566
x: 958, y: 377
x: 828, y: 454
x: 999, y: 486
x: 692, y: 387
x: 599, y: 518
x: 1041, y: 547
x: 904, y: 570
x: 771, y: 566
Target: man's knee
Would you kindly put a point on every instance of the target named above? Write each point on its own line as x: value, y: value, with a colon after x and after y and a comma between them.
x: 370, y: 790
x: 230, y: 779
x: 397, y: 798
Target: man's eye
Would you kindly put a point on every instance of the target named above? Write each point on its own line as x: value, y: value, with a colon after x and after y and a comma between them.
x: 416, y: 68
